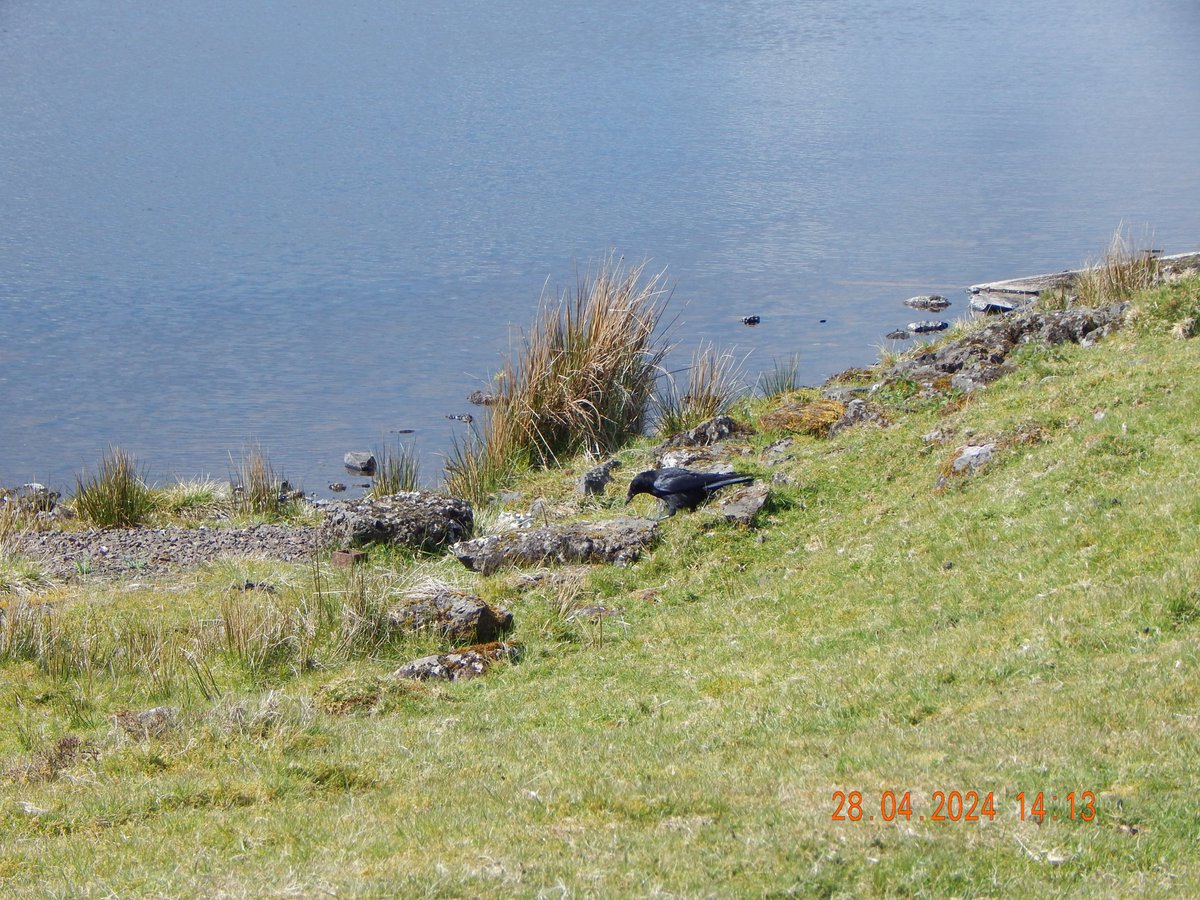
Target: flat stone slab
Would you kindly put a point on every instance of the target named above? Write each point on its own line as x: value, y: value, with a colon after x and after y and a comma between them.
x: 616, y: 541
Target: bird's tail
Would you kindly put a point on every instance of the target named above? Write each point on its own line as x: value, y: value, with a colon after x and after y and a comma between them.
x: 732, y: 479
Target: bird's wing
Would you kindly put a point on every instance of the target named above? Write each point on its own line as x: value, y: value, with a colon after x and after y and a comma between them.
x: 673, y: 480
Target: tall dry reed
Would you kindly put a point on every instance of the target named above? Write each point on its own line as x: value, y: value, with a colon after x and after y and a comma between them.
x: 581, y: 380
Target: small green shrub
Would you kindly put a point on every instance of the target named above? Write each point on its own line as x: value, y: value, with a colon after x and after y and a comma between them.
x: 116, y: 496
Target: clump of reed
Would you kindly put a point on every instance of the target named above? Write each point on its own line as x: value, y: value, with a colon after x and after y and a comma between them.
x: 581, y: 381
x: 116, y: 496
x: 397, y: 468
x: 1127, y: 267
x: 713, y: 382
x: 257, y: 489
x: 782, y: 378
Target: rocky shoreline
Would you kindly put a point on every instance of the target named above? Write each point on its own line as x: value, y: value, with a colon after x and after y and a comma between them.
x: 425, y: 521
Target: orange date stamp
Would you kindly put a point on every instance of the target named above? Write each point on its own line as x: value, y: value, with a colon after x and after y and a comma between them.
x: 961, y: 806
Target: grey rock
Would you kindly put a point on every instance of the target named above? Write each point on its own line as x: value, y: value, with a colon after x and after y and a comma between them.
x: 972, y: 457
x: 779, y: 451
x: 459, y: 665
x: 457, y: 616
x: 360, y: 461
x: 858, y: 412
x: 419, y: 520
x: 992, y: 304
x: 594, y: 481
x: 154, y: 722
x: 844, y: 393
x: 482, y: 398
x: 337, y: 487
x: 710, y: 432
x: 691, y: 457
x: 899, y: 334
x: 927, y: 301
x: 619, y: 541
x: 743, y: 505
x: 927, y: 327
x: 982, y: 356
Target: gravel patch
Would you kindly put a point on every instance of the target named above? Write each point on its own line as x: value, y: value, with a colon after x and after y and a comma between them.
x: 119, y: 551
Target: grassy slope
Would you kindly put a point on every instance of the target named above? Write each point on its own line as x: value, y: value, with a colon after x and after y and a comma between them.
x: 1031, y: 628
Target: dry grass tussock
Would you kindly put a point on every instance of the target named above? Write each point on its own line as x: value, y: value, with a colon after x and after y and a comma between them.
x: 713, y: 383
x: 1127, y: 268
x: 116, y: 496
x: 581, y: 381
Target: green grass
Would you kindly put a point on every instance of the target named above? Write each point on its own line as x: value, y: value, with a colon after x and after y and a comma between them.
x: 1032, y: 627
x: 116, y: 496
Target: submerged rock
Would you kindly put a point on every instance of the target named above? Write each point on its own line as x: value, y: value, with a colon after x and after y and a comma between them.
x: 619, y: 541
x: 416, y: 519
x: 927, y: 301
x: 927, y: 327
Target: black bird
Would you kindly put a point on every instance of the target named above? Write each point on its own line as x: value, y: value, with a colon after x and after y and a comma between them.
x: 682, y: 488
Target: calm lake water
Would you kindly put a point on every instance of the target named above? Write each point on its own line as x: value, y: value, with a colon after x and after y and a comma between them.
x: 310, y: 224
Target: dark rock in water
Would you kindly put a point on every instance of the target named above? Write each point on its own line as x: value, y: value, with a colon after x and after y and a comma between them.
x: 618, y: 541
x: 993, y: 305
x: 461, y: 417
x: 482, y: 398
x: 361, y: 461
x: 416, y: 519
x: 594, y: 481
x: 459, y: 665
x: 927, y: 301
x: 457, y: 616
x: 927, y: 327
x: 751, y: 320
x: 898, y: 335
x: 709, y: 432
x: 337, y: 487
